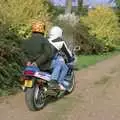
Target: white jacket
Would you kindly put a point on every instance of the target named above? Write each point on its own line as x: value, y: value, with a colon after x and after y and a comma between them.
x: 60, y: 45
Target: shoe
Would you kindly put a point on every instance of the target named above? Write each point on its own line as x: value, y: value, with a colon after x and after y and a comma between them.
x: 53, y: 84
x: 62, y: 87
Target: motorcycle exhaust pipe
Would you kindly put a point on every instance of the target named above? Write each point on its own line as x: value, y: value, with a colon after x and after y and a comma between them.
x: 52, y: 92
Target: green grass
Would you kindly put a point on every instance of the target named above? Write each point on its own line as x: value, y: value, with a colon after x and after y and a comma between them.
x: 84, y: 61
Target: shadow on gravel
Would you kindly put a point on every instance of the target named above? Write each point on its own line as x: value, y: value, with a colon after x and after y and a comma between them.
x: 52, y: 99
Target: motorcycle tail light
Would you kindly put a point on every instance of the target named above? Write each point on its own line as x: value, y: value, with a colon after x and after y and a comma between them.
x: 28, y: 73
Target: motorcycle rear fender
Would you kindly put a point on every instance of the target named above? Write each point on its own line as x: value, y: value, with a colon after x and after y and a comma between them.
x: 43, y: 75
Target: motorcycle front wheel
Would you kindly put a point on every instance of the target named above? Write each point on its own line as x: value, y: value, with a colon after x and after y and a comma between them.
x: 72, y: 84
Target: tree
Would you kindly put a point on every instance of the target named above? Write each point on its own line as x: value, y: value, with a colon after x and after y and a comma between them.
x: 80, y: 6
x: 68, y: 8
x: 118, y: 3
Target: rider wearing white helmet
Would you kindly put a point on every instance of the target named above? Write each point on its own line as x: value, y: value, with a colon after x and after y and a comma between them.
x: 56, y: 39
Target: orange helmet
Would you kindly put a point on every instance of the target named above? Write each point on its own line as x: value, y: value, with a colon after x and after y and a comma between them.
x: 38, y: 27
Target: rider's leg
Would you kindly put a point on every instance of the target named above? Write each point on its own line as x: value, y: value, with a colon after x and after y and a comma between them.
x: 60, y: 70
x: 56, y: 66
x: 63, y: 74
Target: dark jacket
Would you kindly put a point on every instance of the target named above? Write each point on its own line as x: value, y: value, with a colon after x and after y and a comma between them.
x: 39, y: 50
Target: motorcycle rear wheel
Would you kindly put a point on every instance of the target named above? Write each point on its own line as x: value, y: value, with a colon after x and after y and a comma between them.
x: 35, y: 98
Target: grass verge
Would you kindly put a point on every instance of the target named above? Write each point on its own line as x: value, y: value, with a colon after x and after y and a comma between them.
x: 84, y: 61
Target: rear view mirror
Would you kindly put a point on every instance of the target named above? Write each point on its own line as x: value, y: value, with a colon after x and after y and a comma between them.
x: 77, y: 48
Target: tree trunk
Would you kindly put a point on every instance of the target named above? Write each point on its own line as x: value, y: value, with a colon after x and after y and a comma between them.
x: 80, y: 6
x: 68, y: 8
x: 80, y: 3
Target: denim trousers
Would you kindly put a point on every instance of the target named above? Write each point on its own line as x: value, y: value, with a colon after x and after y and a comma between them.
x: 60, y: 69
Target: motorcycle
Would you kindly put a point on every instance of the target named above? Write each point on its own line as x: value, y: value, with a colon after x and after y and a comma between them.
x: 36, y: 87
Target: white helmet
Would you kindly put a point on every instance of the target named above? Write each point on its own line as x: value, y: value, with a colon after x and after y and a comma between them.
x: 55, y: 32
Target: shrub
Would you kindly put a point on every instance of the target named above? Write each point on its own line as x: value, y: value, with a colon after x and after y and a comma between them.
x: 103, y: 24
x: 20, y: 13
x: 10, y: 59
x: 117, y: 3
x: 58, y: 10
x: 15, y: 24
x: 87, y: 42
x: 117, y: 10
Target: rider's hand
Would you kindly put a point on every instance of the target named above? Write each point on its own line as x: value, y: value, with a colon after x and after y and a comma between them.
x: 72, y: 59
x: 34, y: 64
x: 61, y: 59
x: 28, y: 63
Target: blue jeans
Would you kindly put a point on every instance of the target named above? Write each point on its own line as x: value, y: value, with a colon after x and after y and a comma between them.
x: 60, y: 69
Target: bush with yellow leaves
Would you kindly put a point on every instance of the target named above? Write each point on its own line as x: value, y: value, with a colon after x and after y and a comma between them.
x: 103, y: 24
x: 20, y: 13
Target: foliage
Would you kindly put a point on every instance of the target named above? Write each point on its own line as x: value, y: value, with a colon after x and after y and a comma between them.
x: 15, y: 24
x: 22, y: 30
x: 87, y: 42
x: 58, y: 10
x: 10, y: 59
x: 117, y: 11
x: 118, y: 3
x: 20, y: 13
x: 103, y: 24
x: 81, y: 10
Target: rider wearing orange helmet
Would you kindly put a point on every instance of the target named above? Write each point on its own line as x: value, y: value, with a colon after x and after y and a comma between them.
x: 38, y: 27
x: 37, y: 47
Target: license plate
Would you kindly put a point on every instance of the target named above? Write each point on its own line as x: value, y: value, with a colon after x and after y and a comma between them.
x: 28, y: 83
